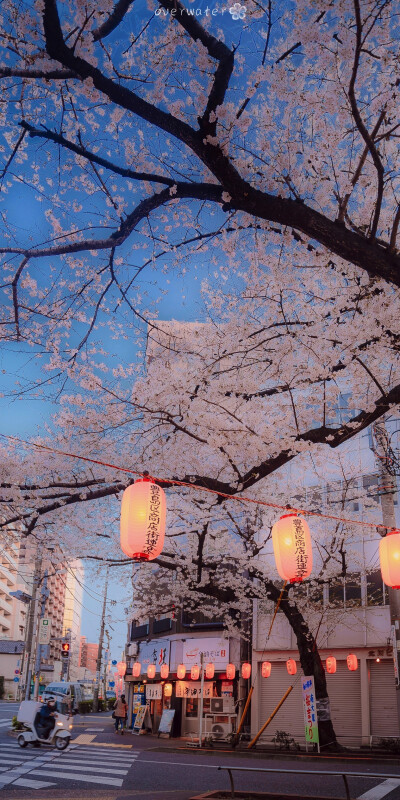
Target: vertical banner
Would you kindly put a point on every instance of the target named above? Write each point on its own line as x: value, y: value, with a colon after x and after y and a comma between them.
x: 310, y: 709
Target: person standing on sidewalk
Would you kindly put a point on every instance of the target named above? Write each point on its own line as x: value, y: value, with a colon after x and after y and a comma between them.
x: 120, y: 713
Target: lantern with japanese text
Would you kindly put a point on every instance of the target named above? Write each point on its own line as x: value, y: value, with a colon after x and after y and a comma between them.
x: 389, y: 555
x: 143, y: 512
x: 292, y: 547
x: 136, y: 669
x: 195, y: 672
x: 230, y: 671
x: 210, y: 670
x: 246, y: 671
x: 168, y: 690
x: 331, y: 665
x: 291, y: 666
x: 164, y: 671
x: 352, y: 662
x: 151, y: 671
x: 121, y: 667
x: 181, y: 672
x: 266, y: 669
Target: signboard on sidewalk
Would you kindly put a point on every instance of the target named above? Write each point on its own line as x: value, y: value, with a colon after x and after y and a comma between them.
x: 310, y: 709
x: 166, y: 721
x: 141, y: 714
x: 44, y: 631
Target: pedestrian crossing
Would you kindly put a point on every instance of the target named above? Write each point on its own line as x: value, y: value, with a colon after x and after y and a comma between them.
x: 40, y: 769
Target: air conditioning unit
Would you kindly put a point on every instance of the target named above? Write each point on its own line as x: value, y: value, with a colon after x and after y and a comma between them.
x: 220, y: 730
x: 217, y: 705
x: 229, y: 704
x: 133, y: 649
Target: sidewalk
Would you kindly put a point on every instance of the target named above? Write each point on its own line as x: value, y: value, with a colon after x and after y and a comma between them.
x: 101, y: 727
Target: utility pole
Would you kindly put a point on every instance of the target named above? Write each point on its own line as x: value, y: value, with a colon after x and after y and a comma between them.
x: 28, y: 654
x: 106, y: 657
x: 100, y: 650
x: 389, y: 487
x: 44, y: 596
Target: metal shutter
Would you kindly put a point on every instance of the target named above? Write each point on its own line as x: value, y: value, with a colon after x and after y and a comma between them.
x: 383, y: 701
x: 344, y: 690
x: 290, y: 717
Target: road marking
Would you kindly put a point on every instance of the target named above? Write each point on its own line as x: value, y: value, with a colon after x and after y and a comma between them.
x: 94, y: 729
x: 97, y: 769
x: 379, y: 791
x: 5, y: 722
x: 84, y: 738
x: 33, y: 784
x: 108, y: 744
x: 74, y: 776
x: 107, y: 763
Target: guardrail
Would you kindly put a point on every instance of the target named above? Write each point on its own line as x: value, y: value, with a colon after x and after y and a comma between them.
x: 343, y: 775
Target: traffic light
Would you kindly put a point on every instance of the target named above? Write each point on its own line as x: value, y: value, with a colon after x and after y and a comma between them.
x: 65, y: 649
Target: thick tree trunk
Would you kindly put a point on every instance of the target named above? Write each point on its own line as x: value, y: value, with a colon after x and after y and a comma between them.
x: 311, y: 664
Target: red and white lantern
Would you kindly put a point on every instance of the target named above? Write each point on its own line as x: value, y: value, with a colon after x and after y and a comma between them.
x: 168, y: 690
x: 246, y: 671
x: 143, y: 513
x: 121, y: 667
x: 164, y: 671
x: 151, y: 671
x: 291, y: 666
x: 389, y: 555
x: 137, y: 669
x: 210, y: 670
x: 195, y: 672
x: 292, y: 547
x: 181, y: 672
x: 331, y: 665
x: 352, y: 662
x: 266, y: 667
x: 230, y: 671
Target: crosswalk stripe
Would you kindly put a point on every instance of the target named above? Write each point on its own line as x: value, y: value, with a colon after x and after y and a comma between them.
x: 88, y: 761
x: 78, y: 777
x: 80, y: 767
x: 5, y: 722
x: 33, y: 784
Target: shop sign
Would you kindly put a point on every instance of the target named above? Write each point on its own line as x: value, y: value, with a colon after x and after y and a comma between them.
x: 193, y: 689
x: 213, y: 649
x: 156, y: 652
x: 395, y: 646
x: 153, y: 691
x: 310, y: 709
x: 227, y: 687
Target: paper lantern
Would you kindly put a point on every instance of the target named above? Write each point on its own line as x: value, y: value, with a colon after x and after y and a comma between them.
x: 266, y: 669
x: 181, y: 672
x: 292, y: 547
x: 143, y: 512
x: 164, y: 671
x: 168, y: 690
x: 210, y: 669
x: 121, y: 667
x: 230, y: 672
x: 352, y: 662
x: 291, y: 666
x: 151, y: 671
x: 136, y: 669
x: 389, y: 554
x: 246, y: 671
x: 195, y: 672
x: 331, y: 665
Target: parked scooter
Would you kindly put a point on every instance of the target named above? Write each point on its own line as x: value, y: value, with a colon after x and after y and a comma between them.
x: 29, y: 715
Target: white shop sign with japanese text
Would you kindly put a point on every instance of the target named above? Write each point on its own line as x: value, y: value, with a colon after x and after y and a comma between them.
x: 310, y: 709
x: 193, y: 688
x: 156, y: 652
x: 153, y: 691
x: 214, y: 650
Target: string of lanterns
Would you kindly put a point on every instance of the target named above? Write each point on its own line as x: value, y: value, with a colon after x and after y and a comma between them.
x: 230, y: 669
x: 142, y: 528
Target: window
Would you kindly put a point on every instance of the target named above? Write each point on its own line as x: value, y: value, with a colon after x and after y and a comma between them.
x: 336, y: 592
x: 191, y: 707
x: 353, y: 589
x: 375, y: 589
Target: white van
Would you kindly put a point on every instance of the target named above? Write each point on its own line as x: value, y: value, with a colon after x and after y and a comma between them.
x: 69, y: 694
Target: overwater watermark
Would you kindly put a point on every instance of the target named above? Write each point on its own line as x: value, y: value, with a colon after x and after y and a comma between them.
x: 237, y: 11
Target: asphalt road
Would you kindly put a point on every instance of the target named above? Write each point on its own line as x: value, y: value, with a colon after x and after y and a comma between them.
x: 104, y: 766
